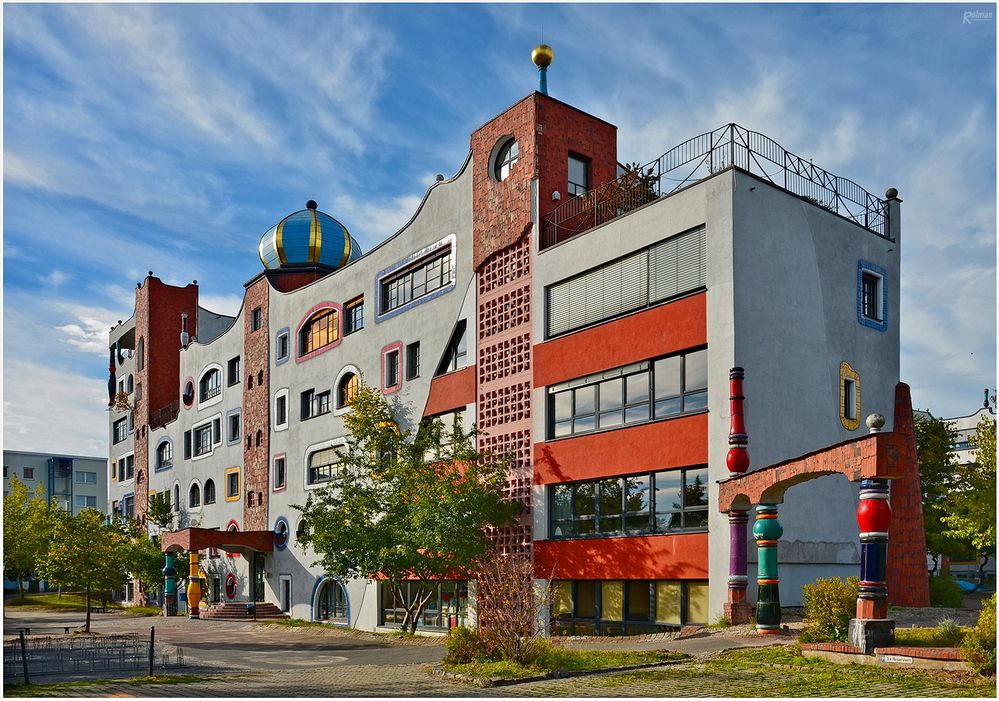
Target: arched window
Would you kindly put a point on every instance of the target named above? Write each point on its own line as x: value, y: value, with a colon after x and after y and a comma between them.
x: 130, y: 384
x: 164, y: 455
x: 331, y: 602
x: 194, y: 496
x: 322, y: 329
x: 322, y: 463
x: 507, y: 155
x: 176, y: 497
x: 346, y: 390
x: 210, y: 492
x: 210, y: 385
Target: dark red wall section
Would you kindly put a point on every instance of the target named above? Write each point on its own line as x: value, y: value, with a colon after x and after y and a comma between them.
x: 637, y: 557
x: 661, y: 330
x: 654, y: 446
x: 452, y: 391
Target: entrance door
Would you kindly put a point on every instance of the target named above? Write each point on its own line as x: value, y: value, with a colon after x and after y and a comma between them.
x: 257, y: 576
x: 216, y: 593
x: 285, y: 593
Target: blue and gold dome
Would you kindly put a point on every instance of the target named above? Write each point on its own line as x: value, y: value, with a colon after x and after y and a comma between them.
x: 308, y: 237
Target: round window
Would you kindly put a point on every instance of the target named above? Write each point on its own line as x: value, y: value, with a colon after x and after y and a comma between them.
x: 230, y: 586
x: 507, y: 155
x: 281, y: 534
x: 189, y: 393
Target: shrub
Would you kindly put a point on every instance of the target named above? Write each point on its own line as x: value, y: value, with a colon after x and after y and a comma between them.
x: 462, y: 645
x: 979, y: 646
x: 829, y: 606
x: 945, y: 593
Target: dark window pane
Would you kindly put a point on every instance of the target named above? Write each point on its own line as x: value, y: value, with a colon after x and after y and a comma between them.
x: 637, y: 601
x: 585, y: 499
x: 586, y: 527
x: 696, y: 491
x: 695, y: 371
x: 637, y: 498
x: 562, y: 529
x: 586, y: 599
x: 585, y: 400
x: 611, y: 497
x: 695, y: 519
x: 667, y: 378
x: 562, y: 502
x: 668, y: 521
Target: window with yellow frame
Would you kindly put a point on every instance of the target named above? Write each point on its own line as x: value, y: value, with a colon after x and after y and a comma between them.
x: 232, y: 486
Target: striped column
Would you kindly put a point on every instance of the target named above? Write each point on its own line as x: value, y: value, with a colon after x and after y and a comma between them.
x: 193, y: 587
x: 737, y: 610
x: 737, y: 459
x: 767, y: 531
x: 873, y: 517
x: 169, y: 586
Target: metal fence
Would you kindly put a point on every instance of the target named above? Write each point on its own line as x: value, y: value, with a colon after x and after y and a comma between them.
x: 702, y: 156
x: 27, y: 657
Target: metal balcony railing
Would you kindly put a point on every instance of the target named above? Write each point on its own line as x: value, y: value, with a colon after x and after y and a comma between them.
x: 702, y: 156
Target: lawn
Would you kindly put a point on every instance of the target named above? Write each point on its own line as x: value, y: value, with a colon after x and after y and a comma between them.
x: 930, y: 637
x: 569, y: 660
x: 73, y: 601
x: 56, y: 689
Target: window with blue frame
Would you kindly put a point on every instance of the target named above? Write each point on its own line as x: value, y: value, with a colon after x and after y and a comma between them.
x: 872, y: 296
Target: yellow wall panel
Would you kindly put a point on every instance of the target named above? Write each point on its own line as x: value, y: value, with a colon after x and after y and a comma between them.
x: 612, y: 599
x: 668, y: 602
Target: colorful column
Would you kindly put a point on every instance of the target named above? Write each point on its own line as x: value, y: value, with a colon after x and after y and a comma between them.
x: 737, y: 609
x: 873, y: 517
x: 737, y: 459
x: 194, y: 587
x: 767, y: 531
x: 169, y: 586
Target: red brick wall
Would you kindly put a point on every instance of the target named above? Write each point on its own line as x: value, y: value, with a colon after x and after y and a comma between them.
x: 908, y: 581
x: 256, y: 408
x: 158, y: 309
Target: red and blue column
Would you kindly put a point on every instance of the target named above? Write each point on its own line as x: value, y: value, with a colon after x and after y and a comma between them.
x: 872, y: 628
x: 767, y: 531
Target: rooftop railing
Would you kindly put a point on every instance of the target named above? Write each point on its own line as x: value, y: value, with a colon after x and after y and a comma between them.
x: 702, y: 156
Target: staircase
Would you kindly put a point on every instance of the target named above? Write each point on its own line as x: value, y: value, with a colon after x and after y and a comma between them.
x: 231, y: 611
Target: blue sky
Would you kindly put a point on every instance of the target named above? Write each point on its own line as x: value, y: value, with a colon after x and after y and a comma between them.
x: 169, y: 137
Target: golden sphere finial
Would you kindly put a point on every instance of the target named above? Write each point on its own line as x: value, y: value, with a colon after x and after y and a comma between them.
x: 542, y: 55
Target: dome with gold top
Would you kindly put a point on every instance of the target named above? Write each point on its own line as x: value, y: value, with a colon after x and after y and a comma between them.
x: 308, y: 237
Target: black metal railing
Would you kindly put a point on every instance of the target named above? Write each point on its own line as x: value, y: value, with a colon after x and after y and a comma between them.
x: 161, y: 417
x: 702, y: 156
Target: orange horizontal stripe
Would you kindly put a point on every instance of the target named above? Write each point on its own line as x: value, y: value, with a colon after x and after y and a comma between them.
x: 768, y: 581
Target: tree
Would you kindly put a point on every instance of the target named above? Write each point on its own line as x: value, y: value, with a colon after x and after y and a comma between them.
x: 160, y: 510
x: 971, y: 504
x: 145, y: 561
x: 87, y: 551
x: 405, y: 506
x: 937, y: 477
x: 27, y: 531
x: 510, y: 606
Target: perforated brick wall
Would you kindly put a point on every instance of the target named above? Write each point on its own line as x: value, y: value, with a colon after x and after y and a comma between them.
x: 256, y: 409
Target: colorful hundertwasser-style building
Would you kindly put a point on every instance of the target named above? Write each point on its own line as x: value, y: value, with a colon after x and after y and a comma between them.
x: 598, y: 323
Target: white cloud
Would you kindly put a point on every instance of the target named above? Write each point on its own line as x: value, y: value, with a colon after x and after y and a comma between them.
x: 49, y: 410
x: 221, y: 304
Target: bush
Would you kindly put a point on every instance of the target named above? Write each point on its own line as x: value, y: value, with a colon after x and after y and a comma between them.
x: 979, y: 646
x: 944, y: 593
x: 462, y: 645
x: 829, y: 606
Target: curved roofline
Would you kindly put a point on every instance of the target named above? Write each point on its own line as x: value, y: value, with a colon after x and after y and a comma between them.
x: 239, y: 314
x: 419, y: 208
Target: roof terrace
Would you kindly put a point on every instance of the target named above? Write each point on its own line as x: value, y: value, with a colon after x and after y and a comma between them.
x: 728, y: 146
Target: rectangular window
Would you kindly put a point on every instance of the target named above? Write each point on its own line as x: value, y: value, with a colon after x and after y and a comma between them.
x: 455, y: 356
x: 423, y: 278
x: 579, y: 175
x: 870, y: 297
x: 85, y: 502
x: 849, y: 399
x: 233, y: 428
x: 392, y: 368
x: 256, y: 319
x: 202, y: 436
x: 233, y: 371
x: 280, y: 473
x: 353, y: 313
x: 232, y: 485
x: 626, y: 607
x: 129, y: 467
x: 660, y: 502
x: 314, y: 404
x: 119, y: 430
x: 283, y: 346
x: 650, y: 276
x: 281, y: 410
x: 187, y: 445
x: 29, y: 473
x: 322, y: 465
x: 413, y: 360
x: 86, y: 478
x: 447, y: 606
x: 128, y: 506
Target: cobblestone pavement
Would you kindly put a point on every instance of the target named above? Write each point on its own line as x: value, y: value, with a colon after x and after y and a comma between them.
x: 692, y: 679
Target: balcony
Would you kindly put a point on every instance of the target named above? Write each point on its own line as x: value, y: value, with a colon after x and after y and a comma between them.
x: 698, y: 158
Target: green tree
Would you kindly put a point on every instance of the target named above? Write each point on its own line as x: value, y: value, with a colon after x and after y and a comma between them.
x: 145, y: 561
x: 972, y: 502
x: 405, y: 506
x: 88, y: 551
x: 27, y: 531
x: 937, y: 478
x: 160, y: 510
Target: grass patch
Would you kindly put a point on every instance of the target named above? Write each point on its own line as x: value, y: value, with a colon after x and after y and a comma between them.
x: 69, y: 601
x: 569, y: 660
x: 930, y: 637
x: 56, y: 687
x: 143, y: 610
x: 297, y: 623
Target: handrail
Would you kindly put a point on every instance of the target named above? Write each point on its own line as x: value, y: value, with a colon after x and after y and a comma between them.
x: 702, y: 156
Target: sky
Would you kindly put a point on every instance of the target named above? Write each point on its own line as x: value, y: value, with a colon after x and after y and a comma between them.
x: 170, y: 137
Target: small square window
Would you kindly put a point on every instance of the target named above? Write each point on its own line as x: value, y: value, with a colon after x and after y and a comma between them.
x: 413, y: 361
x: 256, y: 319
x: 29, y: 473
x: 232, y: 485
